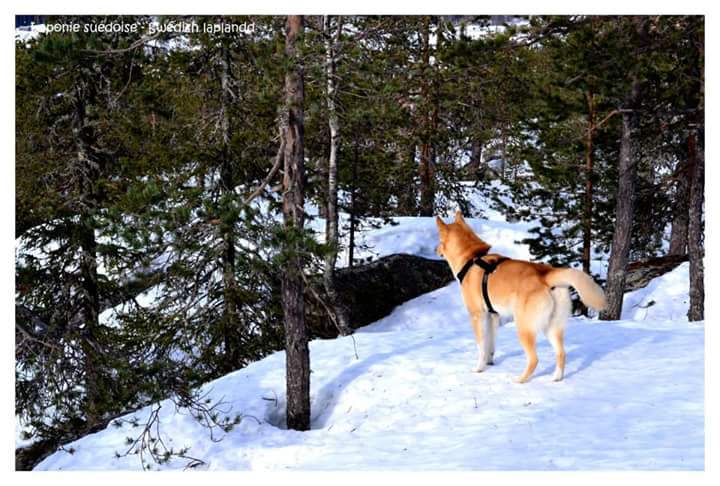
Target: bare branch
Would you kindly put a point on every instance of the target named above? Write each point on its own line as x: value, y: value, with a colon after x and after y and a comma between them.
x: 276, y: 166
x: 131, y: 47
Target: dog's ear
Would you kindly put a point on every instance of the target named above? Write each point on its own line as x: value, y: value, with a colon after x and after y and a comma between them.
x: 442, y: 227
x: 459, y: 217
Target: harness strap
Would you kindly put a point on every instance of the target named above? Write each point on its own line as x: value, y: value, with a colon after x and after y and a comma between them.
x: 488, y: 267
x: 464, y: 270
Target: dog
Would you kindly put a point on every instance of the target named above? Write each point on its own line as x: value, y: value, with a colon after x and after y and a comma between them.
x: 535, y: 294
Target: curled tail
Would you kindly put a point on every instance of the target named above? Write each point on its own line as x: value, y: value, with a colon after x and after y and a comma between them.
x: 590, y: 293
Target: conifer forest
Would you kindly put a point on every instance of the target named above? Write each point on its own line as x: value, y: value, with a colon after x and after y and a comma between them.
x: 192, y: 191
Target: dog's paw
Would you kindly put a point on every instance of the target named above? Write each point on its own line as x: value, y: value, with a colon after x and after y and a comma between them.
x: 478, y: 369
x: 520, y: 379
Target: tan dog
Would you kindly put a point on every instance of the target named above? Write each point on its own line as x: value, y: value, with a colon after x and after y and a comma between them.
x: 535, y: 294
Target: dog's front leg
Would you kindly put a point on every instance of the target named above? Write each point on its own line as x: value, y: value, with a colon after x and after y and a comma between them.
x: 479, y: 324
x: 492, y: 324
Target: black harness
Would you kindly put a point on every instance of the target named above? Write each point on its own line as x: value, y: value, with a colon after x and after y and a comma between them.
x: 488, y: 268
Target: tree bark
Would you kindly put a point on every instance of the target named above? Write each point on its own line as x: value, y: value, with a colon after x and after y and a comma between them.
x: 322, y: 170
x: 476, y: 149
x: 696, y: 234
x: 427, y: 192
x: 87, y: 171
x: 95, y: 385
x: 589, y: 162
x: 625, y: 205
x: 407, y: 199
x: 503, y: 164
x: 230, y: 328
x: 696, y: 227
x: 353, y: 207
x: 296, y: 340
x: 679, y: 228
x: 331, y: 221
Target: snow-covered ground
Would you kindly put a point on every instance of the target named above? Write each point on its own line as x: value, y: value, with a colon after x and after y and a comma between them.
x: 663, y: 299
x: 632, y: 397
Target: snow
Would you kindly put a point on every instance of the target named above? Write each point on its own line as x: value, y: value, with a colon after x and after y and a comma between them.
x: 664, y: 299
x: 27, y: 33
x: 632, y: 397
x: 418, y: 236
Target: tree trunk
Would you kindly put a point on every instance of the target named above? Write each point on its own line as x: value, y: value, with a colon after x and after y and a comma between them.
x: 476, y: 149
x: 681, y: 201
x: 230, y: 330
x: 296, y: 341
x: 322, y: 169
x: 696, y: 230
x: 427, y: 192
x: 353, y: 208
x: 588, y: 209
x: 696, y: 234
x: 331, y: 221
x: 503, y: 162
x: 95, y: 386
x: 87, y: 172
x: 407, y: 200
x: 624, y: 211
x: 625, y: 205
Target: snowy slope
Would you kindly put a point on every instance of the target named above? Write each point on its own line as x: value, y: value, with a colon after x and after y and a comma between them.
x: 632, y: 399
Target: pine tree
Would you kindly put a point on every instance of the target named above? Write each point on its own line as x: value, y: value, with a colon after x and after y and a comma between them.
x: 75, y: 163
x: 627, y: 166
x: 296, y: 347
x: 696, y: 162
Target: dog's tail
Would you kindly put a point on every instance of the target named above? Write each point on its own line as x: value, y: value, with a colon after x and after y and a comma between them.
x: 590, y: 293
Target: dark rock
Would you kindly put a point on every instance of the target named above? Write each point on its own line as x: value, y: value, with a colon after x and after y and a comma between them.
x: 640, y: 273
x: 373, y: 290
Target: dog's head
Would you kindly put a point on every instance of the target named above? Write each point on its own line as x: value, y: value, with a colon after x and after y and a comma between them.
x: 457, y: 238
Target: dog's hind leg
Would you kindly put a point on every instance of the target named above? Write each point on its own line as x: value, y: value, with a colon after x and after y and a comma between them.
x: 534, y: 316
x: 561, y: 312
x: 555, y: 336
x: 527, y: 340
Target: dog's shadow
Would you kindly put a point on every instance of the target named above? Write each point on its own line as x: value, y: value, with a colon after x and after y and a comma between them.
x: 597, y: 342
x: 499, y: 358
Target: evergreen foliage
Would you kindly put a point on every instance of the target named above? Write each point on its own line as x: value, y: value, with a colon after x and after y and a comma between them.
x: 149, y: 243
